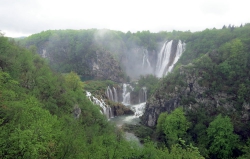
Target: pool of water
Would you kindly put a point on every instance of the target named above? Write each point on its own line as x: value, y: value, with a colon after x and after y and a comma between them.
x: 125, y: 119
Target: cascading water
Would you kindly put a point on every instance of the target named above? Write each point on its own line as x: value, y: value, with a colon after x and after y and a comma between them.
x: 143, y: 95
x: 145, y: 62
x: 126, y: 99
x: 106, y: 110
x: 180, y: 49
x: 163, y: 58
x: 138, y: 109
x: 109, y: 94
x: 112, y: 95
x: 126, y: 94
x: 167, y: 58
x: 115, y: 95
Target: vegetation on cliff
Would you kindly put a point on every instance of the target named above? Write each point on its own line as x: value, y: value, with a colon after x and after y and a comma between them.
x: 38, y: 117
x: 213, y: 89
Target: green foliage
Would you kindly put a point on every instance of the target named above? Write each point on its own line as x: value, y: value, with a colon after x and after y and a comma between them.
x: 142, y: 132
x: 73, y: 81
x: 174, y: 125
x: 148, y: 81
x: 183, y: 151
x: 36, y: 118
x: 221, y: 136
x: 97, y: 86
x: 246, y: 150
x: 161, y: 122
x: 28, y: 89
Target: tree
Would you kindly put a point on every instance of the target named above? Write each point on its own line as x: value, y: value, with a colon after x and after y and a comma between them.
x: 175, y: 126
x: 73, y: 81
x: 246, y: 150
x: 221, y: 137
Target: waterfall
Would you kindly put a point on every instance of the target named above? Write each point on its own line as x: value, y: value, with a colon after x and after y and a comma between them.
x: 112, y: 95
x: 180, y: 49
x: 115, y: 95
x: 143, y: 95
x: 111, y: 113
x: 145, y: 61
x: 126, y: 94
x: 106, y: 110
x: 163, y: 58
x: 109, y: 94
x: 167, y: 58
x: 138, y: 109
x: 126, y: 99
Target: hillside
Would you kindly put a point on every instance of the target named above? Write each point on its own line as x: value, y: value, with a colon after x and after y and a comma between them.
x: 44, y: 114
x: 200, y: 105
x: 211, y: 79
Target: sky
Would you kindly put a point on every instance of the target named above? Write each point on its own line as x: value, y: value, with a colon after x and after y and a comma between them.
x: 26, y: 17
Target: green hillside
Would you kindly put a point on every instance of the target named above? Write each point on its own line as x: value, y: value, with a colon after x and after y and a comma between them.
x: 40, y: 118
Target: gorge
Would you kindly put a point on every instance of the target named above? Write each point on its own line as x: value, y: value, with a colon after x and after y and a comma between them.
x: 171, y: 89
x: 166, y: 59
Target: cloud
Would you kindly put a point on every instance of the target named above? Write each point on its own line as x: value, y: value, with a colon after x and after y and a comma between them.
x: 32, y: 16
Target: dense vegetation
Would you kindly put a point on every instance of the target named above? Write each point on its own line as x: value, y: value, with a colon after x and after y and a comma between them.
x: 37, y: 109
x: 38, y: 117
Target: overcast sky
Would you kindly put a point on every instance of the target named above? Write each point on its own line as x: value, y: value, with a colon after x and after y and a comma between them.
x: 25, y: 17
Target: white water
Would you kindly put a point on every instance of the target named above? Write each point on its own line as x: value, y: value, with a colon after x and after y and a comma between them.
x: 164, y: 65
x: 106, y: 110
x: 163, y: 58
x: 112, y: 95
x: 143, y: 95
x: 115, y: 95
x: 126, y: 94
x: 179, y: 51
x: 145, y: 62
x: 109, y: 94
x: 130, y: 119
x: 126, y: 99
x: 138, y: 109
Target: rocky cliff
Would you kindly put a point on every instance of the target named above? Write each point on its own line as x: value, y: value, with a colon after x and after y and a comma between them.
x: 99, y: 65
x: 186, y: 87
x: 105, y: 67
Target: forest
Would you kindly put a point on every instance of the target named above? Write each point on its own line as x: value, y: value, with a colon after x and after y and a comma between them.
x: 41, y: 97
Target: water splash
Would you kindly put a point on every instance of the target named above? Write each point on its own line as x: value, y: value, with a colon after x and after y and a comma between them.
x: 138, y: 109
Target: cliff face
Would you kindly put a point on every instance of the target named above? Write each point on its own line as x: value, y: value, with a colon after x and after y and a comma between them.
x: 190, y: 94
x: 99, y: 65
x: 105, y: 67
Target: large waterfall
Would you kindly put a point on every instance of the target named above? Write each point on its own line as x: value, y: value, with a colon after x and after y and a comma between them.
x: 168, y: 56
x: 106, y: 110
